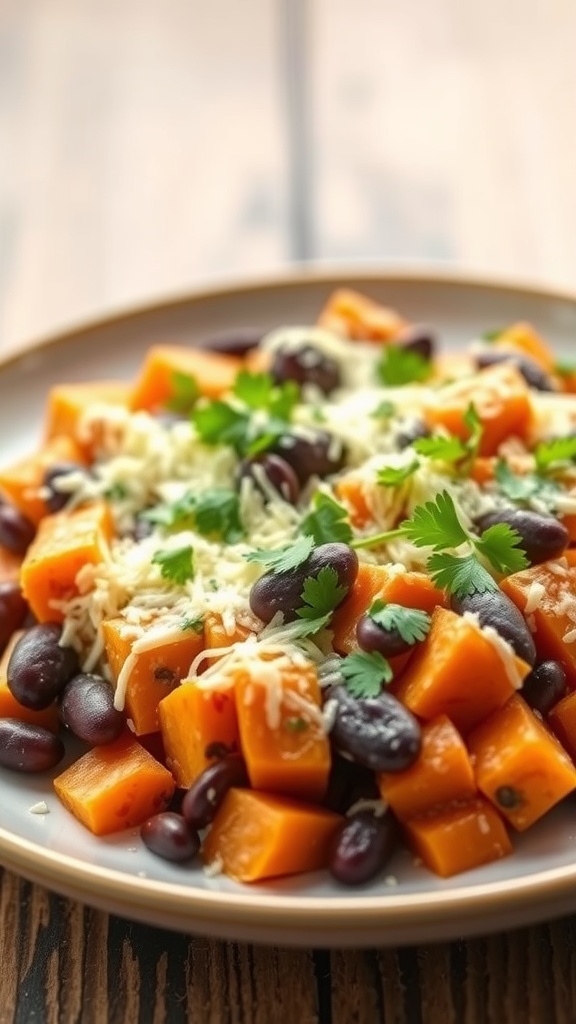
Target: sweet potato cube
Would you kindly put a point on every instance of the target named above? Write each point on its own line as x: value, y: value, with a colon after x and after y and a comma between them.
x: 523, y: 338
x: 443, y: 773
x: 519, y: 765
x: 192, y: 719
x: 154, y: 672
x: 115, y: 786
x: 48, y: 717
x: 562, y: 721
x: 458, y: 671
x: 353, y: 315
x: 65, y: 542
x: 282, y: 733
x: 459, y: 838
x: 67, y: 404
x: 501, y: 398
x: 23, y: 480
x: 216, y: 636
x: 551, y: 589
x: 258, y: 835
x: 213, y: 372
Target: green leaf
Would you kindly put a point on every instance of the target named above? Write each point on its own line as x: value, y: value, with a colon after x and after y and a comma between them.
x: 193, y: 624
x: 260, y: 391
x: 321, y: 594
x: 116, y: 492
x: 327, y: 521
x: 435, y: 524
x: 501, y: 546
x: 184, y: 393
x: 176, y: 564
x: 286, y: 558
x: 461, y: 576
x: 555, y: 454
x: 474, y: 424
x: 217, y: 513
x: 444, y: 449
x: 218, y: 422
x: 493, y: 334
x: 399, y: 365
x: 365, y: 674
x: 296, y: 724
x: 393, y: 476
x: 565, y: 367
x: 517, y: 488
x: 412, y: 624
x: 384, y: 411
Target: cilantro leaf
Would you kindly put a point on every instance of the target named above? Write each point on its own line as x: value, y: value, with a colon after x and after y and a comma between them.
x: 444, y: 449
x: 193, y: 623
x: 500, y: 545
x: 517, y: 488
x: 555, y: 454
x: 435, y: 524
x: 217, y: 422
x: 327, y: 521
x: 411, y: 623
x: 399, y: 365
x: 461, y: 576
x: 215, y: 512
x: 176, y: 564
x: 384, y: 411
x: 321, y: 594
x: 260, y: 391
x: 184, y: 392
x: 476, y: 428
x: 286, y: 558
x: 365, y: 674
x: 393, y: 476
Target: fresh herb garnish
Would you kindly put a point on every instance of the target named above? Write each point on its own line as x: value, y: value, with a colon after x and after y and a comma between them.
x: 286, y: 558
x: 327, y: 521
x: 184, y: 393
x: 321, y: 594
x: 365, y: 674
x: 116, y: 492
x: 399, y: 365
x: 193, y: 624
x: 393, y: 476
x: 411, y: 623
x: 260, y: 391
x: 176, y: 564
x: 453, y: 449
x: 222, y: 422
x: 556, y: 454
x: 214, y: 513
x: 384, y: 411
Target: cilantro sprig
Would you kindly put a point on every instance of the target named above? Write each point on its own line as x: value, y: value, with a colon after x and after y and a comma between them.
x: 412, y: 624
x: 399, y: 365
x: 286, y: 558
x: 213, y: 513
x: 551, y: 458
x: 453, y: 450
x: 176, y: 564
x: 394, y: 476
x: 184, y: 394
x: 365, y: 674
x: 327, y: 521
x: 233, y: 422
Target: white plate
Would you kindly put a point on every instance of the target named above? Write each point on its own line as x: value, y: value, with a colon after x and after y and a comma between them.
x: 119, y: 875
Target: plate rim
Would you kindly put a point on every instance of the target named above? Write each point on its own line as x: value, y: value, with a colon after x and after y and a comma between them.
x: 251, y: 913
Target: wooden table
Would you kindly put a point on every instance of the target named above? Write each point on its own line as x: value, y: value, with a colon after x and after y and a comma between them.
x: 146, y: 147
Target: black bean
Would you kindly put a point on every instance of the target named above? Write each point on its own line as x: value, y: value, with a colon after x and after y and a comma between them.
x: 169, y: 836
x: 544, y: 686
x: 347, y: 783
x: 495, y: 609
x: 205, y: 795
x: 377, y: 732
x: 533, y: 374
x: 235, y: 342
x: 306, y: 365
x: 56, y: 499
x: 16, y: 530
x: 13, y: 610
x: 28, y: 748
x: 38, y: 668
x: 362, y: 846
x: 315, y: 453
x: 277, y: 471
x: 542, y: 537
x: 419, y: 339
x: 372, y: 637
x: 282, y: 591
x: 87, y: 709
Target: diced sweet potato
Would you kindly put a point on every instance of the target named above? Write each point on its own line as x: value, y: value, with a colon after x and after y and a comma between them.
x: 519, y: 764
x: 355, y: 316
x: 67, y: 404
x: 553, y: 617
x: 194, y: 718
x: 459, y: 838
x: 216, y: 636
x: 23, y: 480
x: 562, y: 721
x: 522, y: 337
x: 213, y: 372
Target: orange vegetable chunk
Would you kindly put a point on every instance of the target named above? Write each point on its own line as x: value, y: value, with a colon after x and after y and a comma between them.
x: 282, y: 736
x: 67, y: 404
x: 355, y: 316
x: 64, y: 544
x: 48, y: 717
x: 216, y: 636
x: 551, y: 589
x: 260, y: 835
x: 459, y: 672
x: 115, y: 786
x: 192, y: 718
x: 213, y: 372
x: 562, y: 721
x: 501, y: 398
x: 442, y: 773
x: 22, y: 481
x: 153, y: 673
x: 522, y: 337
x: 459, y: 838
x: 519, y: 764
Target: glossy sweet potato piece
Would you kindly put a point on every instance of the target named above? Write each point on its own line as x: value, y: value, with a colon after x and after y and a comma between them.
x: 65, y: 542
x: 22, y: 481
x: 553, y: 619
x: 350, y: 490
x: 115, y: 786
x: 67, y: 404
x: 523, y: 338
x: 459, y: 838
x: 47, y: 718
x: 519, y: 764
x: 282, y: 735
x: 213, y: 372
x: 501, y: 398
x: 260, y: 835
x: 153, y: 674
x: 193, y: 719
x: 459, y: 672
x: 216, y: 636
x: 562, y: 721
x: 443, y: 773
x: 355, y: 316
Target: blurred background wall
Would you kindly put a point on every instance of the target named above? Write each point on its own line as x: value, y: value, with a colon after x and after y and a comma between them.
x: 149, y: 145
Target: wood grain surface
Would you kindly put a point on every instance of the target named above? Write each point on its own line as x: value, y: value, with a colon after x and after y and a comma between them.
x: 149, y: 145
